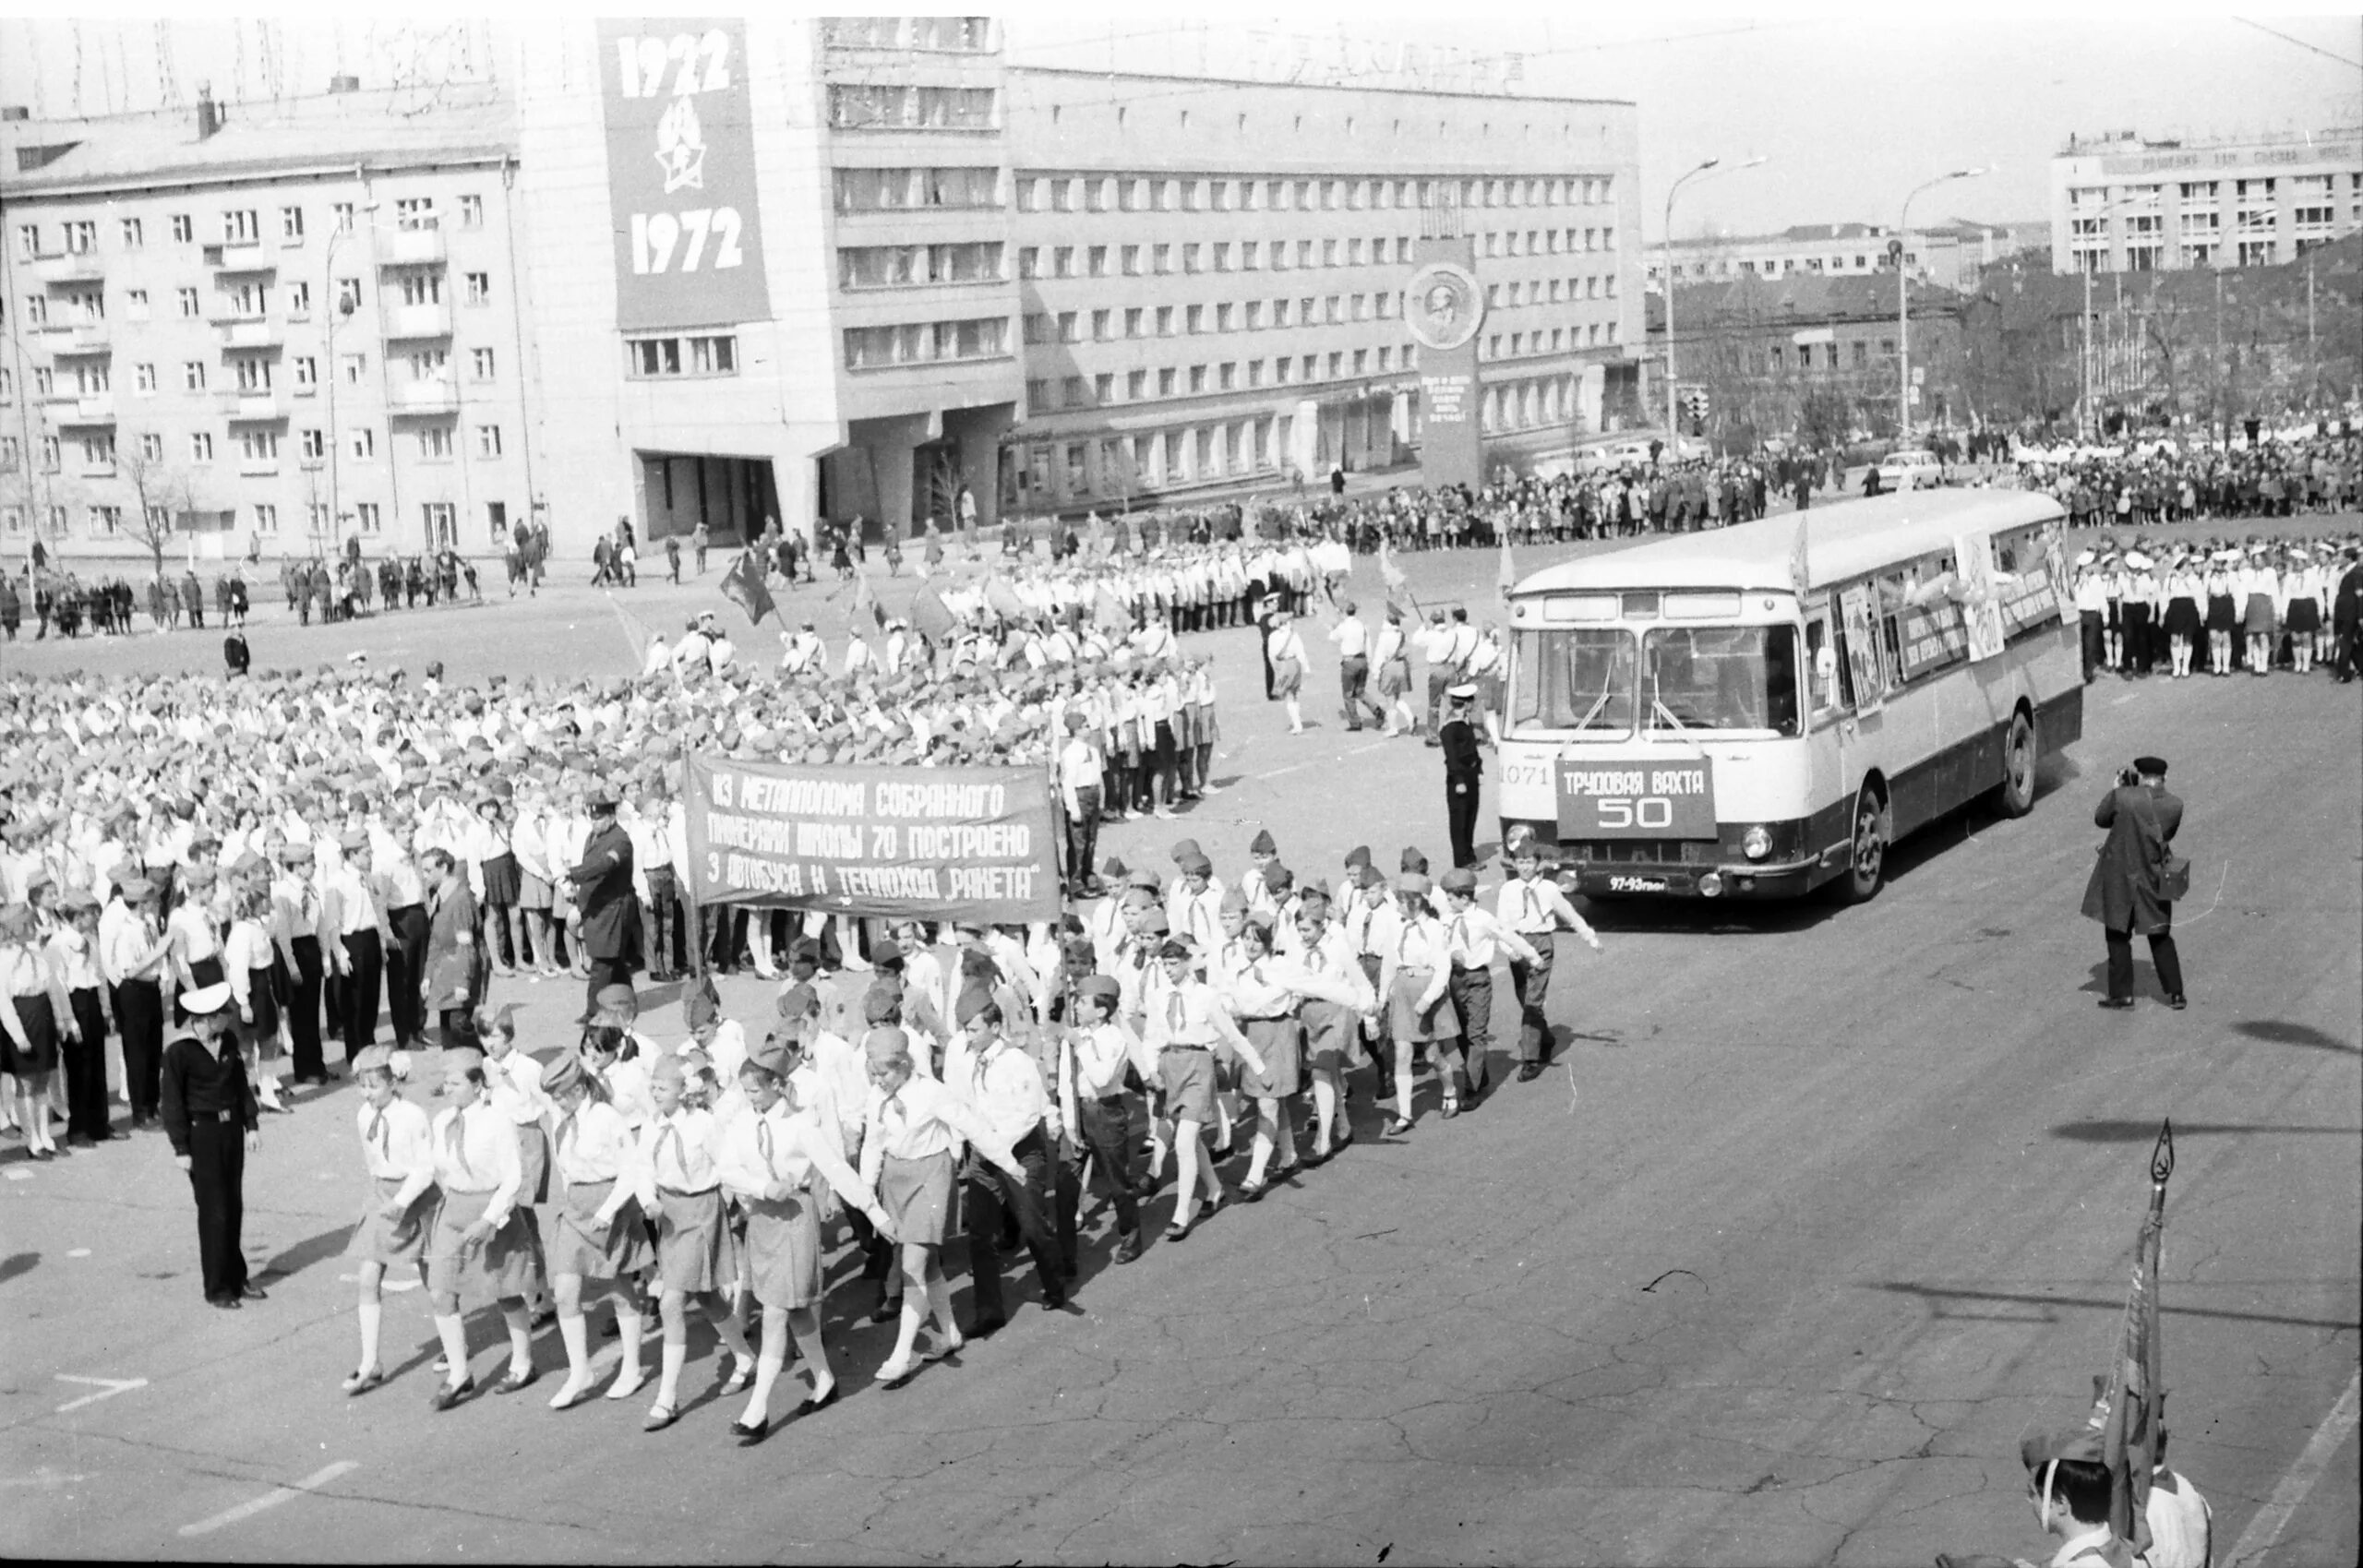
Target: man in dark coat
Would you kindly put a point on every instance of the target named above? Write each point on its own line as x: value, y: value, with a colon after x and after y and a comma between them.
x: 610, y: 907
x: 1464, y: 769
x: 2127, y: 893
x: 2346, y: 618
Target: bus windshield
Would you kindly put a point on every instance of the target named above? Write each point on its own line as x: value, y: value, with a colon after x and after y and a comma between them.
x: 1720, y: 677
x: 1579, y: 679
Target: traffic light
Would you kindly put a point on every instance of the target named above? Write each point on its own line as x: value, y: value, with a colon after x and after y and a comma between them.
x: 1697, y: 406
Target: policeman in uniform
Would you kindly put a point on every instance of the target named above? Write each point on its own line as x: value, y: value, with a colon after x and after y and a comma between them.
x: 1463, y: 772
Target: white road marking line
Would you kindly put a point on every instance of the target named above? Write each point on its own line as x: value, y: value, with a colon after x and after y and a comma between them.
x: 2264, y: 1530
x: 79, y: 1252
x: 271, y: 1499
x: 108, y: 1388
x: 20, y: 1176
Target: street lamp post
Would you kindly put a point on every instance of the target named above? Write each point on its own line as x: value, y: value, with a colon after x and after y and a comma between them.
x: 1903, y: 298
x: 1673, y: 423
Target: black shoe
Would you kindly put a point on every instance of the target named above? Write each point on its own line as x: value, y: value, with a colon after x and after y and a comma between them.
x: 984, y: 1328
x: 1527, y: 1072
x: 253, y: 1292
x: 227, y: 1304
x: 2177, y: 1001
x: 2116, y: 1004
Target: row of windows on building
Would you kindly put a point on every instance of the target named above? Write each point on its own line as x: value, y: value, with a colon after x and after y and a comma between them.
x: 888, y: 106
x: 940, y: 35
x: 241, y: 302
x: 1773, y: 266
x: 251, y: 373
x: 2148, y: 255
x: 1044, y: 395
x: 2208, y: 226
x: 258, y: 448
x: 1192, y: 257
x: 1306, y: 310
x: 238, y: 226
x: 440, y: 519
x: 1215, y: 193
x: 1120, y: 465
x: 978, y: 187
x: 2285, y: 187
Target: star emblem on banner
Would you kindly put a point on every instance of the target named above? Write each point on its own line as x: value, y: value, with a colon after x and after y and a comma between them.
x: 681, y: 147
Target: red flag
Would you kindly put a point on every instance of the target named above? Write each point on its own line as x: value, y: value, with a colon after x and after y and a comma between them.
x: 1110, y: 612
x: 743, y: 586
x: 932, y: 617
x: 2131, y: 1412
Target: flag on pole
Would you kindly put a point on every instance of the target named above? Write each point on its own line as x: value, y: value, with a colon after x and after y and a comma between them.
x: 743, y: 586
x: 1398, y: 585
x: 2131, y: 1412
x: 1110, y: 612
x: 636, y: 632
x: 1005, y: 600
x: 930, y: 617
x: 865, y: 599
x: 1799, y: 574
x: 1508, y: 575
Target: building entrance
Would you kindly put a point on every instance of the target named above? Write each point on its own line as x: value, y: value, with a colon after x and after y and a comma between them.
x: 730, y: 495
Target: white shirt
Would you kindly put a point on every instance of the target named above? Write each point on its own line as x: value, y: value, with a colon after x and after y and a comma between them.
x: 677, y: 1155
x: 481, y: 1157
x: 2180, y: 1522
x: 1351, y: 637
x: 920, y: 1119
x: 1475, y: 935
x: 1535, y: 908
x: 785, y: 1147
x: 1002, y: 1084
x: 515, y: 1084
x: 595, y: 1144
x: 397, y: 1144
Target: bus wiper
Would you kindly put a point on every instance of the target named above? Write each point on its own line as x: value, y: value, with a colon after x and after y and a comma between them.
x: 1594, y: 713
x: 1660, y: 711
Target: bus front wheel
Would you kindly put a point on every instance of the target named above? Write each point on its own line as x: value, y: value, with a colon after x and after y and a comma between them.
x: 2017, y: 793
x: 1866, y: 866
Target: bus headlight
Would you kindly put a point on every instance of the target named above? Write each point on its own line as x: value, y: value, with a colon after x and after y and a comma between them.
x: 1711, y: 884
x: 1757, y: 842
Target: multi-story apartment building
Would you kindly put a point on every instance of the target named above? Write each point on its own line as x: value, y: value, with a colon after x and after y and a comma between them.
x: 265, y: 328
x: 797, y: 268
x: 1948, y: 256
x: 2120, y: 204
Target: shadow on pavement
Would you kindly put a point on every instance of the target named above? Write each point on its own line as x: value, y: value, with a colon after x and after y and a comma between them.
x: 1943, y: 1298
x: 2282, y: 1033
x: 305, y: 1253
x: 16, y: 1264
x: 2101, y: 1131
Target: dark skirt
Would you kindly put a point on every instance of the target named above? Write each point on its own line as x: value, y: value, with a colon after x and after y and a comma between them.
x: 2220, y: 614
x: 695, y: 1251
x: 2182, y: 617
x: 40, y: 1021
x: 262, y: 1000
x: 1439, y: 1022
x: 534, y: 1160
x: 503, y: 1267
x: 393, y: 1243
x: 203, y: 972
x: 1288, y: 678
x: 2258, y: 617
x: 917, y: 1196
x: 1187, y: 1076
x: 1328, y: 1034
x: 2305, y: 617
x: 503, y: 884
x: 1280, y: 1042
x: 784, y: 1252
x: 619, y: 1251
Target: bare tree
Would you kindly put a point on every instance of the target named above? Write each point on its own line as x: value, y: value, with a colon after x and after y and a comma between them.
x: 161, y: 494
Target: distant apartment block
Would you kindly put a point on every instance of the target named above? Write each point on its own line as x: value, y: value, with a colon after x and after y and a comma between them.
x: 2121, y: 204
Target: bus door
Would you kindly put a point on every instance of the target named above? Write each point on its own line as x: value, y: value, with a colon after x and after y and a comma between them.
x: 1831, y: 709
x: 1862, y: 685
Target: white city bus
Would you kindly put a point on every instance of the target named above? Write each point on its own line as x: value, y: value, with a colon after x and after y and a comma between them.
x: 1731, y: 715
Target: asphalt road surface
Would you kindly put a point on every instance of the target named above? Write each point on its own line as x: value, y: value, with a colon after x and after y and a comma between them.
x: 1817, y: 1214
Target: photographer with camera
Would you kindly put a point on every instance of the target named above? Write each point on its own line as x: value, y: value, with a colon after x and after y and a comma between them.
x: 2138, y: 878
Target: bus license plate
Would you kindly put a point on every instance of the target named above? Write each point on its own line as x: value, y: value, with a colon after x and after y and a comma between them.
x: 1635, y: 798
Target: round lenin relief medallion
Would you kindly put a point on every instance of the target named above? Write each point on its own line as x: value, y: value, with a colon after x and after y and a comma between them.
x: 1445, y: 306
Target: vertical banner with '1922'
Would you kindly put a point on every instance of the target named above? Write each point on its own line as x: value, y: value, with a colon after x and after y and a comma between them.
x: 681, y: 172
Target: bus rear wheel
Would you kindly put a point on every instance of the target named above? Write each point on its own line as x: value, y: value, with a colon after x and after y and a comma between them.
x: 1866, y: 864
x: 2016, y: 796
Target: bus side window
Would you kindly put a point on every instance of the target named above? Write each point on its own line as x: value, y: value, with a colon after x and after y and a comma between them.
x: 1825, y: 666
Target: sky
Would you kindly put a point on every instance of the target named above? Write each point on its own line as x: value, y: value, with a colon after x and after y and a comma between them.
x: 1849, y: 107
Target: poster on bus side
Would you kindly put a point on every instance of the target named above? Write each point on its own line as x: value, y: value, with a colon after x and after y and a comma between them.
x: 927, y: 844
